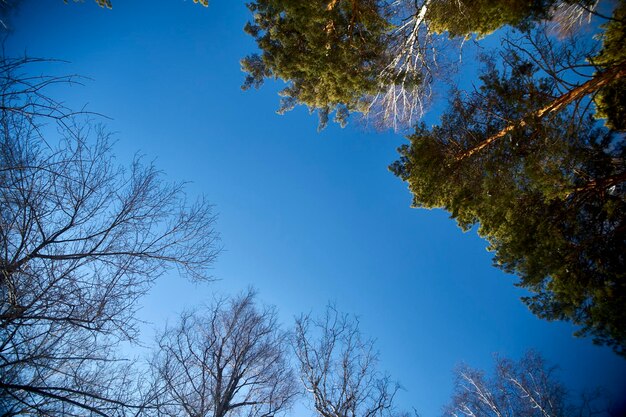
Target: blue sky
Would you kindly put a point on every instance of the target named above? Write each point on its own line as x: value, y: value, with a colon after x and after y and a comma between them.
x: 305, y: 217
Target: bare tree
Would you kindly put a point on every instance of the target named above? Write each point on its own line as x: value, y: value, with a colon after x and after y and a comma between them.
x: 527, y: 388
x: 338, y: 368
x: 406, y: 83
x: 81, y: 240
x: 230, y: 360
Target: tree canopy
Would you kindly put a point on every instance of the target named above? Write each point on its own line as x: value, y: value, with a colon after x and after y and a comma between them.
x: 528, y: 387
x: 347, y: 56
x: 482, y: 17
x: 338, y: 368
x: 328, y: 52
x: 522, y: 156
x: 82, y: 240
x: 611, y: 100
x: 547, y: 194
x: 229, y: 359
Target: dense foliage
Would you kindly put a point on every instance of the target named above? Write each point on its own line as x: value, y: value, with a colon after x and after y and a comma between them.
x: 460, y: 18
x: 611, y: 100
x: 547, y: 196
x: 329, y: 53
x: 464, y: 17
x: 522, y: 157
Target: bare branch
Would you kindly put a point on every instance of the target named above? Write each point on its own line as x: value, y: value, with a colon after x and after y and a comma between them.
x: 81, y: 240
x: 228, y: 360
x: 526, y: 388
x: 338, y: 368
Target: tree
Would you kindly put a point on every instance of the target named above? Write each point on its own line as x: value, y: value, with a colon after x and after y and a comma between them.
x: 329, y: 52
x: 418, y: 57
x: 338, y: 368
x: 343, y: 56
x: 81, y: 241
x: 228, y: 361
x: 377, y: 58
x: 601, y: 81
x: 482, y: 17
x: 527, y: 388
x: 610, y: 100
x: 548, y: 195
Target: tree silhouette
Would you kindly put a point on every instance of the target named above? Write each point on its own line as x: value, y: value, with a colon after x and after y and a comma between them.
x: 82, y: 239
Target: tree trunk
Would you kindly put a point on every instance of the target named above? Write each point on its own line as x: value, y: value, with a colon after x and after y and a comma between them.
x: 598, y: 81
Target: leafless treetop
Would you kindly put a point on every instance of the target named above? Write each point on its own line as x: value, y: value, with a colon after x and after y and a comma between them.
x: 338, y: 368
x: 227, y: 360
x: 81, y: 239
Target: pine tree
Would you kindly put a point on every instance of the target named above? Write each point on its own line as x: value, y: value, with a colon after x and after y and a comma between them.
x: 548, y: 195
x: 328, y: 52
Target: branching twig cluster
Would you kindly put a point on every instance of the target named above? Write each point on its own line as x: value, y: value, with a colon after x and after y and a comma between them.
x: 81, y: 239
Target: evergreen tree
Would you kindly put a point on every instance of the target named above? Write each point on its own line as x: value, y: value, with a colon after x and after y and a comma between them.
x: 329, y: 52
x: 548, y: 195
x: 464, y: 17
x: 611, y: 100
x: 482, y: 17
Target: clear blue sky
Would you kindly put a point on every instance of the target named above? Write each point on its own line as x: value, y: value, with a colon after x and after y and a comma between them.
x: 305, y: 217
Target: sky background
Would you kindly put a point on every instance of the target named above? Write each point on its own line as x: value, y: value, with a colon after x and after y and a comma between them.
x: 306, y: 217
